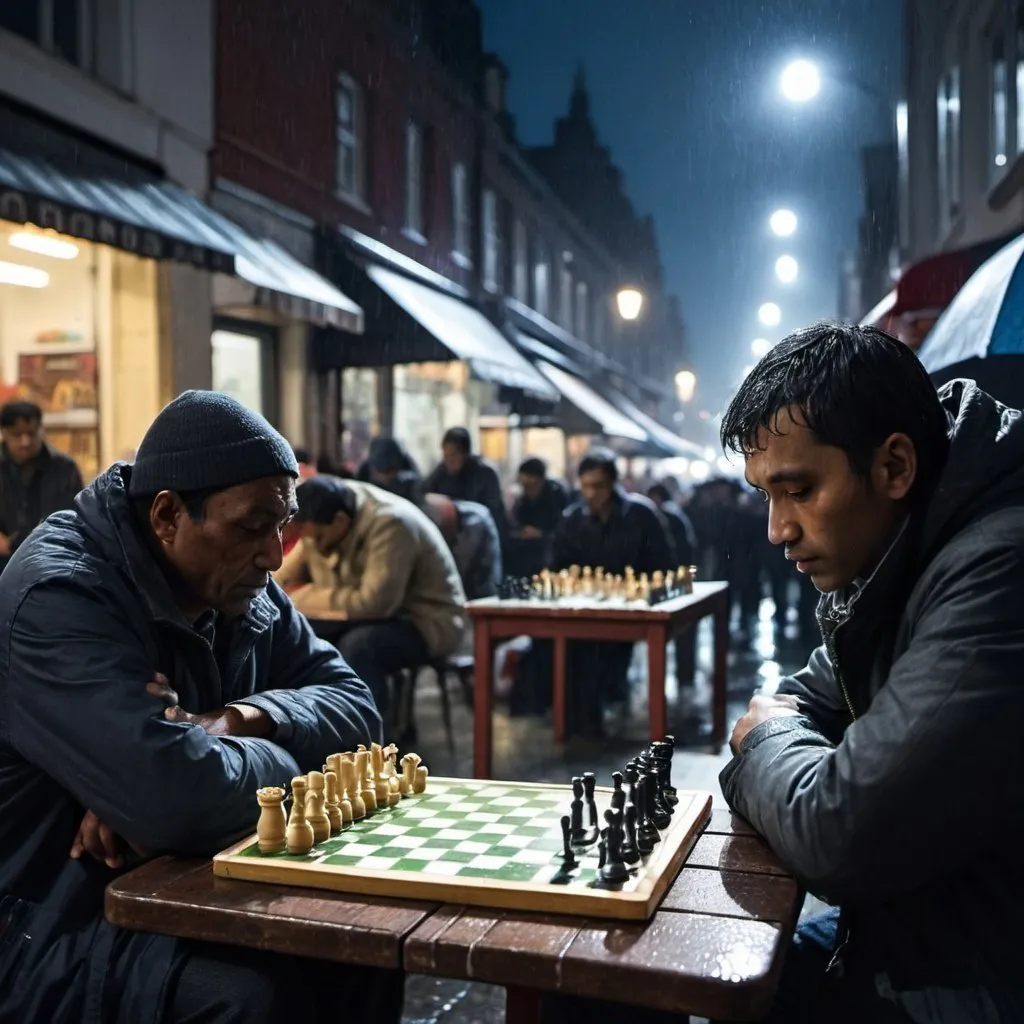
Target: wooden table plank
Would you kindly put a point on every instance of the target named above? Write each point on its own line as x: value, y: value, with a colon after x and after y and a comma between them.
x: 735, y: 894
x: 749, y: 854
x: 185, y: 899
x: 728, y: 823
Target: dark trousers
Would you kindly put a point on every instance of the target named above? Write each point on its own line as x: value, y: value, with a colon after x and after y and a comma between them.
x: 375, y: 650
x: 225, y: 985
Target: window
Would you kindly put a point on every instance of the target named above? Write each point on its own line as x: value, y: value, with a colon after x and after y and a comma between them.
x: 349, y: 175
x: 582, y: 309
x: 565, y: 296
x: 998, y: 109
x: 460, y: 210
x: 58, y: 26
x: 520, y: 262
x: 492, y: 248
x: 414, y: 179
x: 949, y: 145
x: 542, y: 280
x: 239, y: 367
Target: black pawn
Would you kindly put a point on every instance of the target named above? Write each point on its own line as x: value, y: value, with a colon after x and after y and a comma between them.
x: 618, y: 793
x: 632, y: 774
x: 630, y: 853
x: 613, y: 871
x: 577, y: 833
x: 568, y: 857
x: 659, y: 808
x: 663, y: 757
x: 602, y: 853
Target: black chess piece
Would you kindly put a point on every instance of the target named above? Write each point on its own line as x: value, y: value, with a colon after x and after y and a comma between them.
x: 568, y: 857
x: 577, y: 833
x: 589, y: 786
x: 618, y: 793
x: 660, y: 810
x: 662, y: 752
x: 647, y: 832
x: 631, y: 773
x: 630, y: 853
x: 612, y: 871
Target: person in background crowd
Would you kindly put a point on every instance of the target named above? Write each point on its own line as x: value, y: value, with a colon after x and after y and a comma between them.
x: 535, y: 517
x: 463, y: 475
x: 375, y: 565
x: 152, y: 678
x: 611, y: 529
x: 473, y: 538
x: 683, y: 534
x: 35, y: 479
x: 388, y: 465
x: 306, y: 466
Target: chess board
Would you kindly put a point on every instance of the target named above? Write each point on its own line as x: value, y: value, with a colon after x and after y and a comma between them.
x: 484, y: 843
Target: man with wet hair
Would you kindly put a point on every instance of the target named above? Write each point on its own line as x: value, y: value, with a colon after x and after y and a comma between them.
x: 152, y: 678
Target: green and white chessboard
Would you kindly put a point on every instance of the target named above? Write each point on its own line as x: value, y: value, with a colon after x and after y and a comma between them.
x: 491, y: 844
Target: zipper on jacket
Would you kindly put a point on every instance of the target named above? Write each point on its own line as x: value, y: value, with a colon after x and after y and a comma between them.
x: 830, y: 646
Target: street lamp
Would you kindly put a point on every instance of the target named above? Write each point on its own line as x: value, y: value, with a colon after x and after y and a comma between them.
x: 630, y: 302
x: 760, y: 347
x: 686, y: 384
x: 770, y: 315
x: 783, y: 223
x: 800, y: 81
x: 786, y: 269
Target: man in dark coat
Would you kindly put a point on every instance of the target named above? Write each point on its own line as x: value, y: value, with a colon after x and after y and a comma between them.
x: 466, y: 477
x: 152, y: 678
x: 390, y: 466
x: 35, y: 479
x: 535, y: 517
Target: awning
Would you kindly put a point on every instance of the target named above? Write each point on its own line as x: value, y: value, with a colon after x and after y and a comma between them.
x: 598, y: 413
x: 672, y: 444
x: 159, y: 220
x: 270, y: 278
x: 464, y: 332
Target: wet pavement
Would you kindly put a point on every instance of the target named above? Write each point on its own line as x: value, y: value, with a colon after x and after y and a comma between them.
x: 525, y: 750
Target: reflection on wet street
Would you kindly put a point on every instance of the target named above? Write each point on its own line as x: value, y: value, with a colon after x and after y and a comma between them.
x: 524, y: 749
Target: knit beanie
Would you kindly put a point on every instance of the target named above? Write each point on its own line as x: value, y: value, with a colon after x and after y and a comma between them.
x: 204, y: 441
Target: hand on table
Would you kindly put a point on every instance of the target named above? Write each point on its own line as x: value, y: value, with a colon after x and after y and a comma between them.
x: 763, y: 707
x: 102, y: 843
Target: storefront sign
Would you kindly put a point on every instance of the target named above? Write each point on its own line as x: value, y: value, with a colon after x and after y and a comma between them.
x: 24, y: 207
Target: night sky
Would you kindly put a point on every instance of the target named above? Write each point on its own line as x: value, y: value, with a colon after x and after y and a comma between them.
x: 685, y: 93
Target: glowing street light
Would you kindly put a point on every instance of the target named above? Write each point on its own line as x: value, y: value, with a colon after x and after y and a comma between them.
x: 800, y: 81
x: 686, y: 385
x: 760, y: 347
x: 783, y: 223
x: 630, y: 302
x: 786, y: 269
x: 770, y: 315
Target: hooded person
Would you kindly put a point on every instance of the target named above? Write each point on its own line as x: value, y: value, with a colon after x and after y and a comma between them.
x: 390, y: 467
x: 152, y: 678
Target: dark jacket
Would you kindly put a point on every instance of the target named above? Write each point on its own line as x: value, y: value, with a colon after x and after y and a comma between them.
x: 86, y: 619
x: 23, y: 505
x: 543, y: 512
x: 897, y: 794
x: 683, y: 535
x: 477, y: 551
x: 477, y: 481
x: 635, y: 535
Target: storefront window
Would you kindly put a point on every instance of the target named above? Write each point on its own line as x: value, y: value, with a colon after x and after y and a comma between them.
x: 238, y: 367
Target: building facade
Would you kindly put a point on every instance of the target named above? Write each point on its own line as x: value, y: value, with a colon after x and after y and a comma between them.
x: 381, y: 126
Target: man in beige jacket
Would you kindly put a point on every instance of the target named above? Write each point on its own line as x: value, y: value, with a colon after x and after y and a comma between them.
x: 376, y: 565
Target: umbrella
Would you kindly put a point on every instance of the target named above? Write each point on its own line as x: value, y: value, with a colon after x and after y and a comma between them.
x: 981, y: 333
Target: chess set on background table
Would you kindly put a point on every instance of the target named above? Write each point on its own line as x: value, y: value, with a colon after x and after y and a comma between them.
x: 589, y: 587
x: 366, y: 826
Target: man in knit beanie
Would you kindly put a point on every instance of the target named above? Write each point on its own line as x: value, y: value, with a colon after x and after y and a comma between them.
x: 153, y: 675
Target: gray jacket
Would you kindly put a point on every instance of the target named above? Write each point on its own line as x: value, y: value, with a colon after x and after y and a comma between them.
x: 897, y: 794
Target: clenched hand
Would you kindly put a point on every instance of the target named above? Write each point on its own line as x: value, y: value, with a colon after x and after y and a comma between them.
x: 761, y: 708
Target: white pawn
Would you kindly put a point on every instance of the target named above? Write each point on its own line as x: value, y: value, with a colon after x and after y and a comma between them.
x: 299, y: 835
x: 316, y: 812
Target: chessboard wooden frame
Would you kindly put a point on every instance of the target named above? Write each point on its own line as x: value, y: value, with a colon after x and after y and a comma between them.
x: 662, y: 866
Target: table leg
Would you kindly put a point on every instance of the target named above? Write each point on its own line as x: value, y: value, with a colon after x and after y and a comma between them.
x: 558, y: 696
x: 483, y: 699
x: 721, y: 686
x: 522, y: 1005
x: 657, y: 642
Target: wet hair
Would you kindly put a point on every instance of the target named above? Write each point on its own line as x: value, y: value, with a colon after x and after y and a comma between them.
x: 534, y: 467
x: 12, y: 412
x: 602, y: 459
x: 457, y: 437
x: 854, y: 387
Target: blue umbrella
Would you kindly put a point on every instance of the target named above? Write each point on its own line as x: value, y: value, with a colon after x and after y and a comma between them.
x: 980, y: 336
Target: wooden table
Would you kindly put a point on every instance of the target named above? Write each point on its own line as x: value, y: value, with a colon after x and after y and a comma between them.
x: 714, y: 948
x: 495, y: 620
